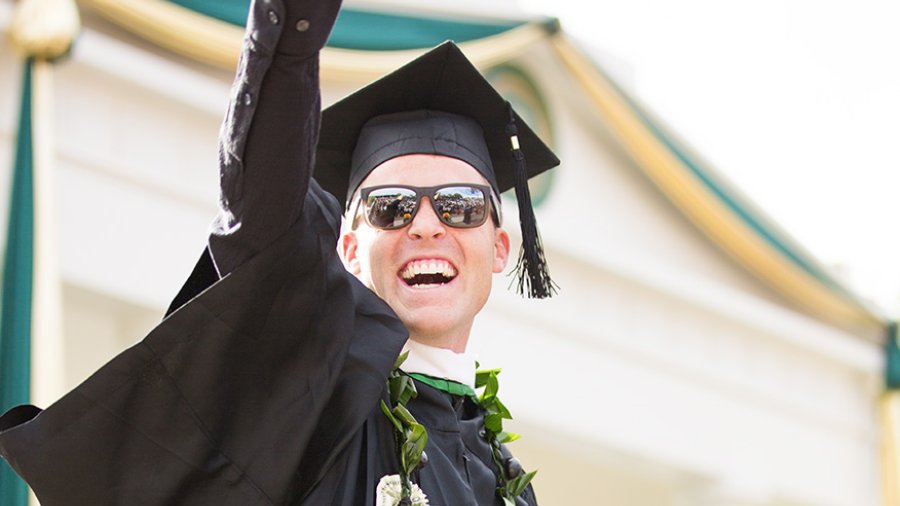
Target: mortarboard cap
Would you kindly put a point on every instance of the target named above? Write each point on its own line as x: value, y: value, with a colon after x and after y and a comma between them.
x: 438, y: 104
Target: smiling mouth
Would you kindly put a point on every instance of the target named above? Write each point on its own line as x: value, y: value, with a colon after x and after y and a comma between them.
x: 423, y: 273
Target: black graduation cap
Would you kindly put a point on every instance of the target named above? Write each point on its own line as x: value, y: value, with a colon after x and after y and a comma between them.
x: 438, y: 104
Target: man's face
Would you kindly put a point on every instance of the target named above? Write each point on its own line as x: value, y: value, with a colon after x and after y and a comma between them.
x: 438, y: 314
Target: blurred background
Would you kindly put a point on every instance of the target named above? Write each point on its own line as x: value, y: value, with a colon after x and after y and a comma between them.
x: 719, y: 227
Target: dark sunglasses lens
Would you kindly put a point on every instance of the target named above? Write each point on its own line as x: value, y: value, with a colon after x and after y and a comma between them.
x: 461, y: 206
x: 390, y: 207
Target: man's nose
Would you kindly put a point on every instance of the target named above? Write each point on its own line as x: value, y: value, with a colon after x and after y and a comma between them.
x: 426, y: 223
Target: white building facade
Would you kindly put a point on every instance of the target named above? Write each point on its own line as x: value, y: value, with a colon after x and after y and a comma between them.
x: 666, y: 372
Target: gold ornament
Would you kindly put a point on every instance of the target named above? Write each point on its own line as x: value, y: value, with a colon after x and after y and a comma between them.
x: 44, y: 29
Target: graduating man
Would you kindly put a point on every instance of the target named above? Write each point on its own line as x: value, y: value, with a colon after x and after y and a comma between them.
x: 275, y: 377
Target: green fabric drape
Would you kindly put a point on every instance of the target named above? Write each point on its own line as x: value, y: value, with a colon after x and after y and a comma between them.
x: 892, y: 359
x: 382, y: 32
x: 229, y: 11
x: 366, y: 30
x: 15, y: 320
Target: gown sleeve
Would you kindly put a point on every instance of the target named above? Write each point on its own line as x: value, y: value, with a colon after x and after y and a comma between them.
x: 268, y: 139
x: 219, y: 404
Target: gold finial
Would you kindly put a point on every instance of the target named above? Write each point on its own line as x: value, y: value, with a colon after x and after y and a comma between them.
x: 44, y: 29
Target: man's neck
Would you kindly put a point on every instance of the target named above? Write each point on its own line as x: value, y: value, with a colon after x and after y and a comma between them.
x: 453, y: 341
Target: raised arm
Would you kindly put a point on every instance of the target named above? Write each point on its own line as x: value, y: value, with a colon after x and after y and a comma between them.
x: 268, y: 139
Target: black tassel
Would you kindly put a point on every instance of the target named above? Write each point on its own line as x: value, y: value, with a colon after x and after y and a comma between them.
x: 532, y: 276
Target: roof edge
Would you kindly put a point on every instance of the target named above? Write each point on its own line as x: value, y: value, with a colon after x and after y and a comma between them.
x: 744, y: 235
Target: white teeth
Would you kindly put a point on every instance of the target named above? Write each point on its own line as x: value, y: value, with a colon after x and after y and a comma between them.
x: 418, y: 267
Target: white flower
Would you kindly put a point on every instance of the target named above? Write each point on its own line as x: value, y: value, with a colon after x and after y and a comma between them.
x: 389, y: 489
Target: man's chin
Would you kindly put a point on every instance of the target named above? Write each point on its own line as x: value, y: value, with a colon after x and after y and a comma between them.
x: 428, y: 319
x: 433, y: 310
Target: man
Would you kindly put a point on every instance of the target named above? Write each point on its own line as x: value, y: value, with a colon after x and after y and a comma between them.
x: 273, y: 378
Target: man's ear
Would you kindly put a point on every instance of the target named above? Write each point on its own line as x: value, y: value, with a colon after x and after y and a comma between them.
x: 349, y: 246
x: 501, y: 249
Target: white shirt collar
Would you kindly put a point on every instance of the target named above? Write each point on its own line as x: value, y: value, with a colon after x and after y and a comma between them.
x: 439, y: 363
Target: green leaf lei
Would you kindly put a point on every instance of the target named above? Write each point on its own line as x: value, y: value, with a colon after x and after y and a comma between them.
x: 410, y: 436
x: 495, y: 413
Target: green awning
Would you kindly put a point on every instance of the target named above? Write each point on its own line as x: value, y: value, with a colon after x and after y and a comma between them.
x: 369, y: 30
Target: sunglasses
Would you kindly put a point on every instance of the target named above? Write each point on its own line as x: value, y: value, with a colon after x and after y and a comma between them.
x: 458, y: 205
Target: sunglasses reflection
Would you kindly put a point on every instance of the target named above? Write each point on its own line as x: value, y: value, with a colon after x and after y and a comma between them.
x: 395, y: 207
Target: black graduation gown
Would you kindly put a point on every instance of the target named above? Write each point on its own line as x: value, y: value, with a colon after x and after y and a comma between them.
x: 263, y: 387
